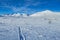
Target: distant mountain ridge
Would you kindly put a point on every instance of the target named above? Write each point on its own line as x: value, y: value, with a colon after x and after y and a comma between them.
x: 15, y: 15
x: 42, y: 13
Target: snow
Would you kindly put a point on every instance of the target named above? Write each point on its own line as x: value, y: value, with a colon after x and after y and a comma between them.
x: 18, y: 14
x: 43, y: 13
x: 32, y: 28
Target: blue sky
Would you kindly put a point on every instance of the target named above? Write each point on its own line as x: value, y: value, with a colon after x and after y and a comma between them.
x: 28, y: 6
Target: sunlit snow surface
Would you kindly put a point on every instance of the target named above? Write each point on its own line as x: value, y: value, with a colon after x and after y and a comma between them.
x: 33, y: 28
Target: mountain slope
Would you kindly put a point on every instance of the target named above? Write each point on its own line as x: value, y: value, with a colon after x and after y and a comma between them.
x: 45, y: 13
x: 45, y: 27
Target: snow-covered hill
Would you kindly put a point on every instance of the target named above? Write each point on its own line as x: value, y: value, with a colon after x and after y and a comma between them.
x: 19, y: 15
x: 43, y: 25
x: 45, y: 13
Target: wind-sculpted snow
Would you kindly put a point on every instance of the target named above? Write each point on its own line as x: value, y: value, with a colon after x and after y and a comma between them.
x: 33, y: 28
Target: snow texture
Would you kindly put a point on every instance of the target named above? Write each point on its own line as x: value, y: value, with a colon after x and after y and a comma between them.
x: 46, y: 27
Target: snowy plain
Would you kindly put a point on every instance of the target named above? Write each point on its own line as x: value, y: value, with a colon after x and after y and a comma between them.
x: 42, y: 27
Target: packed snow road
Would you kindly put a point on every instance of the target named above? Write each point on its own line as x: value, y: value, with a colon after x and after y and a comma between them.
x: 32, y: 28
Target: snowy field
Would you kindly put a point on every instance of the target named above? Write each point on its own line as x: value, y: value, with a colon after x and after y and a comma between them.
x: 46, y: 27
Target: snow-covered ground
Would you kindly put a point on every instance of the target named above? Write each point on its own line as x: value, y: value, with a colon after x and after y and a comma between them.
x: 45, y: 27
